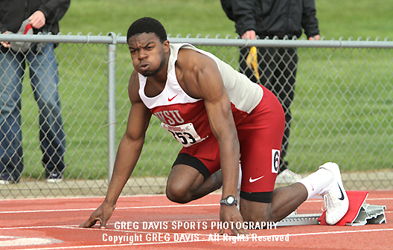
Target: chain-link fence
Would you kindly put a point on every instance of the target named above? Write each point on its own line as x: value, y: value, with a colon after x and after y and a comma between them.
x: 341, y: 112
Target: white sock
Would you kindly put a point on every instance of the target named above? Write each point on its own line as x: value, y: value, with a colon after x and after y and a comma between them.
x: 239, y: 182
x: 317, y: 181
x: 239, y: 185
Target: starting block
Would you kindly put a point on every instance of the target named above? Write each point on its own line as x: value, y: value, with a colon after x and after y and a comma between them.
x: 359, y: 213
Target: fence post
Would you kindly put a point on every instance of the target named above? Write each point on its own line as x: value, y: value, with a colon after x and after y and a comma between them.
x: 111, y: 105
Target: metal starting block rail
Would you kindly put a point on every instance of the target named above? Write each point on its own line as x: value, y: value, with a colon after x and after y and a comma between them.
x: 295, y: 219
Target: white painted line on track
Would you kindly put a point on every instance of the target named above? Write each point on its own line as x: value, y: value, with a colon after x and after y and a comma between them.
x: 117, y: 208
x: 16, y: 241
x: 147, y: 207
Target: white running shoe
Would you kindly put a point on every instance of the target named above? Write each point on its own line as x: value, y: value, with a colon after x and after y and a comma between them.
x: 288, y: 177
x: 335, y: 198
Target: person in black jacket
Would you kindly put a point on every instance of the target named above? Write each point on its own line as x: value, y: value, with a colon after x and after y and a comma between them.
x: 276, y: 70
x: 37, y: 16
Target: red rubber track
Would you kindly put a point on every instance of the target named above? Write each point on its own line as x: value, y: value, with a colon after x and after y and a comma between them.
x: 153, y: 222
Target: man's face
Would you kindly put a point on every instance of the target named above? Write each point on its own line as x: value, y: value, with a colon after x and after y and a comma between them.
x: 147, y: 53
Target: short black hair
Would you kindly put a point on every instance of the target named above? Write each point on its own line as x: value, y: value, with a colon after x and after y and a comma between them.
x: 147, y: 25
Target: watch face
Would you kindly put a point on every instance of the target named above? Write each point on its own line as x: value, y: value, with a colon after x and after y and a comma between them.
x: 230, y: 200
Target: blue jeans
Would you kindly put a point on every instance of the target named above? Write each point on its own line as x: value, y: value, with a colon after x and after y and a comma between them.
x: 44, y: 81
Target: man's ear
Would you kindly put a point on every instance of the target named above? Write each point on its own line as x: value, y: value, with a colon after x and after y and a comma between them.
x: 166, y: 46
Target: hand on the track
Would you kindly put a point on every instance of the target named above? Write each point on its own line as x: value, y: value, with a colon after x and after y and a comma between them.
x: 102, y: 214
x: 232, y: 216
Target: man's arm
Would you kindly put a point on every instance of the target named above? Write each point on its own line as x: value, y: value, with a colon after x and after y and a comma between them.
x: 309, y: 19
x: 244, y: 15
x: 201, y: 79
x: 3, y: 29
x: 54, y: 10
x: 127, y: 156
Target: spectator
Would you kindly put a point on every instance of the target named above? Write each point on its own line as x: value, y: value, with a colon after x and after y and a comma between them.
x: 42, y: 16
x: 276, y: 66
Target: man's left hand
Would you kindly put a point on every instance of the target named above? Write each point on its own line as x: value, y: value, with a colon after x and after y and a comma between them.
x: 5, y: 44
x: 232, y: 216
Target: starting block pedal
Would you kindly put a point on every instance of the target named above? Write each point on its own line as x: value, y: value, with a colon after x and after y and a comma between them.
x: 359, y: 213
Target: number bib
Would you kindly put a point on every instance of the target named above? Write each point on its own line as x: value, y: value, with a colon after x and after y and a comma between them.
x: 185, y: 133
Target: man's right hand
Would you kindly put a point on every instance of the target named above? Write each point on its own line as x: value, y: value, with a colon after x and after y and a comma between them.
x: 102, y: 214
x: 37, y: 19
x: 250, y: 34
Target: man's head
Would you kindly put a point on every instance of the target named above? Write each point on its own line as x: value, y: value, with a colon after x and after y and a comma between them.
x: 147, y: 25
x: 148, y: 45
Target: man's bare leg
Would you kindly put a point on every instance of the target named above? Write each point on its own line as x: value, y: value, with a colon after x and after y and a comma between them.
x: 326, y: 181
x: 185, y: 184
x: 285, y: 201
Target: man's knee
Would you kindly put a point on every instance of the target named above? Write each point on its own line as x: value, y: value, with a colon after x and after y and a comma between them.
x: 183, y: 182
x: 177, y: 192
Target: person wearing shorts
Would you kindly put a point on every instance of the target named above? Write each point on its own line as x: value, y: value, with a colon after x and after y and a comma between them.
x: 258, y: 160
x: 219, y: 116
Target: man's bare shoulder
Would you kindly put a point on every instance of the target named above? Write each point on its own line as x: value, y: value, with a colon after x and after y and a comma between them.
x: 197, y: 73
x: 189, y: 58
x: 190, y: 63
x: 133, y: 87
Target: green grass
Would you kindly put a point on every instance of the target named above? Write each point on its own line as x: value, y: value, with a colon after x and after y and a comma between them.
x: 362, y: 18
x: 350, y: 18
x: 178, y: 16
x: 341, y: 111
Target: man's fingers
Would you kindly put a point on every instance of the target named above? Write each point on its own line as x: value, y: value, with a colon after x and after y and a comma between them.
x: 239, y: 231
x: 89, y: 223
x: 103, y: 223
x: 5, y: 44
x: 37, y: 19
x: 235, y: 230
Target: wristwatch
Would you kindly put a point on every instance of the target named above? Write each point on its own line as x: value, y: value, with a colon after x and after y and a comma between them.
x: 230, y: 200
